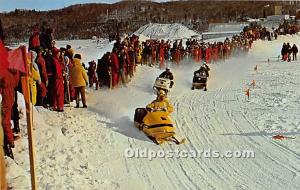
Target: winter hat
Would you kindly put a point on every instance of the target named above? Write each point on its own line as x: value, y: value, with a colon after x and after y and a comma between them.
x: 77, y: 56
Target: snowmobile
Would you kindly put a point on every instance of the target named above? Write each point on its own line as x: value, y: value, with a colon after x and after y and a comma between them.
x: 200, y: 80
x: 162, y: 84
x: 156, y: 124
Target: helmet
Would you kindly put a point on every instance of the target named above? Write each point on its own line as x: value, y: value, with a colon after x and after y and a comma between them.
x: 167, y: 69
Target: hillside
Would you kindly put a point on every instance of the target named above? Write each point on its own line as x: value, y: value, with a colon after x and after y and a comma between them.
x: 87, y: 20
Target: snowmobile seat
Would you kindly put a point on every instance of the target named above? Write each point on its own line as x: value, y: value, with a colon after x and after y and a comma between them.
x: 139, y: 114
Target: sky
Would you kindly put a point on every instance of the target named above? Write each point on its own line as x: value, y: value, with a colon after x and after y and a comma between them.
x: 10, y: 5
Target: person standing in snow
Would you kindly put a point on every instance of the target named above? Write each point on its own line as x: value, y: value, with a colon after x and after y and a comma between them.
x: 79, y: 80
x: 34, y: 40
x: 289, y: 51
x: 161, y: 55
x: 42, y: 88
x: 92, y: 74
x: 284, y: 52
x: 114, y: 68
x: 69, y: 52
x: 132, y: 61
x: 8, y: 84
x: 123, y: 66
x: 294, y: 51
x: 58, y: 91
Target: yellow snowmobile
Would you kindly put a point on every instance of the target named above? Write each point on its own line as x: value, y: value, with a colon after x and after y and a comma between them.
x: 156, y: 124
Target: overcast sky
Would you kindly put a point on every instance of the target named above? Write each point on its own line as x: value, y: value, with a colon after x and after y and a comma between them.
x: 10, y: 5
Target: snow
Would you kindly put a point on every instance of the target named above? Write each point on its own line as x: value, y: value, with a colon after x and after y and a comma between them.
x: 165, y: 31
x: 84, y: 149
x: 89, y: 49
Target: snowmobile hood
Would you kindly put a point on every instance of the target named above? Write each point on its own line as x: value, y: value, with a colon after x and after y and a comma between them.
x: 160, y: 119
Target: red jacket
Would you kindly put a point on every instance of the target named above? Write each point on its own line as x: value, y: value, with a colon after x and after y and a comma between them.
x: 161, y: 53
x: 42, y: 68
x: 34, y: 41
x: 114, y: 63
x: 58, y: 73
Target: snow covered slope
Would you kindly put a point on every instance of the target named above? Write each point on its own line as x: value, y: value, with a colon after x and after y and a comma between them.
x: 84, y: 149
x: 165, y: 31
x: 89, y: 49
x: 225, y: 27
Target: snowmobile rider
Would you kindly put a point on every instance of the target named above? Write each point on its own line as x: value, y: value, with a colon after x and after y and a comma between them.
x: 206, y: 67
x: 167, y: 75
x: 161, y: 103
x: 203, y: 68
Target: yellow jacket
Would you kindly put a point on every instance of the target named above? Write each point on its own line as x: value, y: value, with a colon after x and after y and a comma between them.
x: 139, y: 55
x: 78, y: 75
x: 34, y: 78
x: 156, y: 104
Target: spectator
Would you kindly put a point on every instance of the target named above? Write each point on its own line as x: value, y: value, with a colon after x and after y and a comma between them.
x: 58, y: 91
x: 34, y: 40
x: 295, y: 52
x: 114, y: 68
x: 79, y: 80
x: 69, y: 52
x: 92, y: 74
x: 41, y: 89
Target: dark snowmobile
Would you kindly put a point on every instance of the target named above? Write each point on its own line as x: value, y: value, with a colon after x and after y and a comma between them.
x: 200, y: 78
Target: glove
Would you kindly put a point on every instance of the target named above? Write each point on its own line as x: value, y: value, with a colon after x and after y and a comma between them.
x: 149, y: 109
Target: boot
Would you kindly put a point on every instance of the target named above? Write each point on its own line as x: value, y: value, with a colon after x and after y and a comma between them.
x: 16, y: 127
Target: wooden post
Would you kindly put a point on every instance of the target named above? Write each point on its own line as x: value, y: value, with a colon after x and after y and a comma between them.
x: 29, y: 116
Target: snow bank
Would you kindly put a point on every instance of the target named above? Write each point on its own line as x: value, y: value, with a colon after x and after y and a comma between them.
x: 165, y: 31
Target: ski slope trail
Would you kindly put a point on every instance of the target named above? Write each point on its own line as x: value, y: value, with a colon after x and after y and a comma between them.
x: 220, y: 119
x: 85, y: 149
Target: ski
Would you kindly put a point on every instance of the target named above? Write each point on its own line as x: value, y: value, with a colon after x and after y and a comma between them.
x: 176, y: 141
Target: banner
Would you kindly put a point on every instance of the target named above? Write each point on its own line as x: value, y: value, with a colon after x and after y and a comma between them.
x: 16, y: 61
x: 3, y: 60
